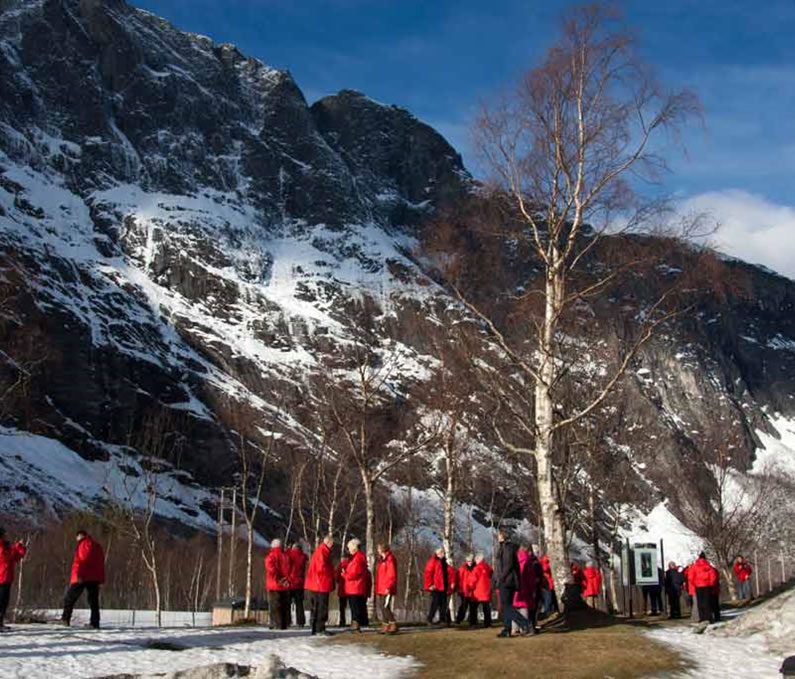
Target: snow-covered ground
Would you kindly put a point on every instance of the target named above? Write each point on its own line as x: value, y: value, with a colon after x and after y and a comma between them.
x: 39, y: 651
x: 753, y: 644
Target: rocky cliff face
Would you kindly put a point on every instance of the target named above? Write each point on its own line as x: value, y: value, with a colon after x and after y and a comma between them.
x: 180, y: 233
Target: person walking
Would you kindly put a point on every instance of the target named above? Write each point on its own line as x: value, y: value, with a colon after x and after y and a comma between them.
x: 467, y: 606
x: 88, y: 574
x: 479, y: 583
x: 524, y: 598
x: 704, y: 580
x: 386, y: 588
x: 297, y: 575
x: 674, y: 582
x: 357, y: 575
x: 507, y: 581
x: 592, y: 584
x: 437, y: 582
x: 277, y: 580
x: 742, y: 571
x: 343, y: 600
x: 10, y: 556
x: 319, y: 582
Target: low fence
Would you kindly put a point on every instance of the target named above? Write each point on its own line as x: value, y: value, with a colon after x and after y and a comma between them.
x: 134, y: 618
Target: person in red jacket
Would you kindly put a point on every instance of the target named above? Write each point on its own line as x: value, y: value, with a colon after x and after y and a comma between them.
x: 357, y: 583
x: 297, y: 574
x: 277, y: 580
x: 386, y: 588
x: 437, y: 582
x: 343, y: 564
x: 9, y: 556
x: 742, y: 571
x: 465, y: 594
x: 549, y: 596
x: 319, y: 582
x: 479, y: 583
x: 704, y: 577
x: 592, y: 578
x: 88, y: 573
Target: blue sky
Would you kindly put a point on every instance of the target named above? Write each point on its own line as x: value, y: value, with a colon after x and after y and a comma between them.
x: 439, y: 58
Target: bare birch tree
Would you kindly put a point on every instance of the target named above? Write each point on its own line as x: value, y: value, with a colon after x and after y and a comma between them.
x: 567, y: 146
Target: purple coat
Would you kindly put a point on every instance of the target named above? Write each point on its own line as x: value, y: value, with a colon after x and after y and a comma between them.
x: 525, y: 596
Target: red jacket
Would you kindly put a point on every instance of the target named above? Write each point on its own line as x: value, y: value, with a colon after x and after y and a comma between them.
x: 464, y: 587
x: 547, y: 572
x: 277, y: 570
x: 89, y: 562
x: 297, y: 568
x: 480, y: 581
x: 688, y: 575
x: 743, y: 571
x: 356, y: 576
x: 320, y: 575
x: 9, y: 555
x: 593, y: 581
x: 703, y: 574
x: 452, y: 579
x: 386, y: 574
x: 343, y: 564
x: 434, y: 576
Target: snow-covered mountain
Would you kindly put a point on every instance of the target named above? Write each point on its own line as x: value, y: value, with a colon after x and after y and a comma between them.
x: 181, y: 232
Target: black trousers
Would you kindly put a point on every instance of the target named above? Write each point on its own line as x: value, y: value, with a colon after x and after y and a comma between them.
x: 297, y: 598
x: 715, y: 605
x: 674, y: 604
x: 704, y: 598
x: 318, y: 602
x: 73, y: 594
x: 279, y: 609
x: 509, y: 612
x: 358, y: 606
x: 438, y: 603
x: 467, y: 608
x: 486, y: 606
x: 5, y: 597
x: 343, y: 606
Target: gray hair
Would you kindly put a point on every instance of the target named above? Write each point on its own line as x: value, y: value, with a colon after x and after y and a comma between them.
x: 276, y: 543
x: 479, y: 558
x: 469, y: 557
x: 354, y: 544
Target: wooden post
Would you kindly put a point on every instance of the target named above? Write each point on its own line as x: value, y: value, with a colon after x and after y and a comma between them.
x: 756, y: 571
x: 232, y: 542
x: 664, y: 594
x: 220, y: 549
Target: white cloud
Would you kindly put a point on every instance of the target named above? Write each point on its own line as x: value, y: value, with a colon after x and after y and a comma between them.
x: 751, y: 227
